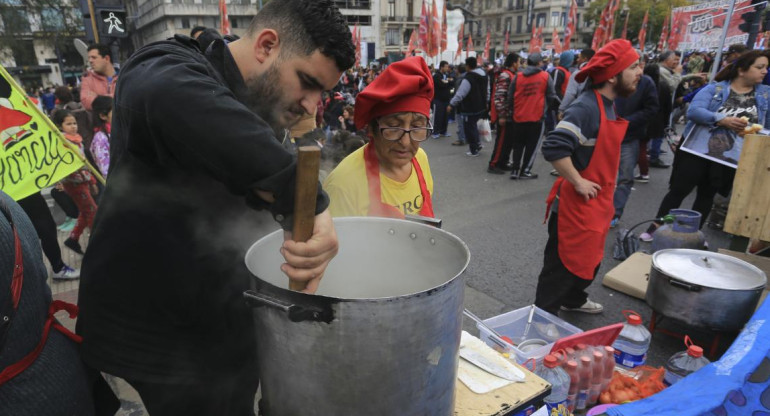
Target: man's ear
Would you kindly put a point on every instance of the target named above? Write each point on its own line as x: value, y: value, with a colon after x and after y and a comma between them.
x: 265, y: 44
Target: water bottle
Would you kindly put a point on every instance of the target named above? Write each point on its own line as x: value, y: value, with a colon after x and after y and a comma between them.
x: 633, y: 342
x: 596, y: 377
x: 556, y: 402
x: 574, y: 381
x: 584, y: 386
x: 683, y: 363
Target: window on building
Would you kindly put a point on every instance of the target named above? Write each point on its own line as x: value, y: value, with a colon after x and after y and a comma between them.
x: 410, y: 10
x: 499, y: 4
x: 24, y: 53
x: 234, y: 22
x: 488, y: 4
x: 510, y: 4
x: 563, y: 21
x: 353, y: 4
x: 15, y: 19
x: 360, y: 20
x: 185, y: 23
x: 519, y: 4
x: 540, y: 20
x: 518, y: 23
x: 499, y: 24
x: 392, y: 37
x: 407, y: 35
x: 391, y: 8
x: 554, y: 19
x: 507, y: 24
x: 52, y: 20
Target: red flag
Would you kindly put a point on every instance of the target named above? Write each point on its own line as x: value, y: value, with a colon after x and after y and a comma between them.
x: 507, y: 39
x: 533, y: 40
x: 676, y: 31
x: 556, y: 43
x: 460, y: 36
x: 625, y: 28
x: 443, y: 27
x: 357, y: 40
x: 424, y: 29
x: 435, y: 31
x: 485, y: 57
x: 470, y: 45
x: 643, y: 31
x: 613, y: 11
x: 224, y: 21
x: 539, y: 46
x: 571, y: 20
x: 412, y: 44
x: 600, y: 33
x: 663, y: 34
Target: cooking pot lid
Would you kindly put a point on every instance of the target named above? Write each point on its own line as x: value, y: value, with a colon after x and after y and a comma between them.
x: 705, y: 268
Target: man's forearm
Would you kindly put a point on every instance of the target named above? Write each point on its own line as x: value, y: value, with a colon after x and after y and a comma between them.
x: 567, y: 170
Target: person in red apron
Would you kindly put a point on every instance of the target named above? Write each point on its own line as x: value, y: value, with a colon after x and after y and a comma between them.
x: 390, y: 176
x: 585, y: 149
x: 41, y: 372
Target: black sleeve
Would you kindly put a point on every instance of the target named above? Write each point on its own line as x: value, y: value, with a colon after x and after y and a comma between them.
x: 199, y: 124
x: 576, y: 126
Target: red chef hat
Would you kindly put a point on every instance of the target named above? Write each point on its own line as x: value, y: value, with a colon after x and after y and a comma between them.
x: 611, y: 60
x: 404, y: 86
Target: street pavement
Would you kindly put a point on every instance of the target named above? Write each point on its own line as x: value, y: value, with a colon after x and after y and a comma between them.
x: 501, y: 221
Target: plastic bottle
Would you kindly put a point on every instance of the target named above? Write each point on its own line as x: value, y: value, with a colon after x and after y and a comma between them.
x: 684, y: 363
x: 574, y: 379
x: 585, y: 383
x: 609, y: 366
x: 633, y: 342
x: 552, y: 373
x: 597, y: 368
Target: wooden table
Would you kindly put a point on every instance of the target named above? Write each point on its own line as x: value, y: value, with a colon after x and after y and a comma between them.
x: 505, y: 401
x: 749, y: 211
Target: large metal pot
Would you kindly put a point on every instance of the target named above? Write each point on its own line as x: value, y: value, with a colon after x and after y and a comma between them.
x: 380, y: 337
x: 704, y: 289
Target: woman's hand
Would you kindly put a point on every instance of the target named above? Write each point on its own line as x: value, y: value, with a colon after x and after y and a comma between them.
x: 733, y: 123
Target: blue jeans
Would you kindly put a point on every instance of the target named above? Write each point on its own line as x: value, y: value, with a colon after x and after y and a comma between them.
x: 472, y: 132
x: 655, y: 148
x: 629, y: 155
x: 460, y: 127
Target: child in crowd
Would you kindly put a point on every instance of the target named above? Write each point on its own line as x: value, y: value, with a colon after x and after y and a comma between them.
x: 79, y: 184
x: 100, y: 146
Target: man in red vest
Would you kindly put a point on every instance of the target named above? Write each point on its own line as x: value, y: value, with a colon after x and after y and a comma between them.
x: 503, y: 114
x: 585, y: 150
x: 531, y: 91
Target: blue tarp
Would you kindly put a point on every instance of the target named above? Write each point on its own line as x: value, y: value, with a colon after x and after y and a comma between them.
x: 736, y: 385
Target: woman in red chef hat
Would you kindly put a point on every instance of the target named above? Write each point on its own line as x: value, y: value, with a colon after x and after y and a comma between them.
x: 390, y: 176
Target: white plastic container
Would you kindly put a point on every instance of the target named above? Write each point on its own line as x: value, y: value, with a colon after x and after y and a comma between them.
x: 684, y: 363
x: 544, y: 326
x: 633, y: 342
x: 550, y: 371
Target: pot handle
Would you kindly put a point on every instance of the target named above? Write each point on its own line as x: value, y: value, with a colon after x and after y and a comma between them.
x: 685, y: 286
x: 294, y: 312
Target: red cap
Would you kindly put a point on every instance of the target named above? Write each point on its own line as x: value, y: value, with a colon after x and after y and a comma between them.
x: 551, y: 361
x: 404, y: 86
x: 572, y: 364
x: 695, y: 351
x: 634, y: 319
x: 611, y: 60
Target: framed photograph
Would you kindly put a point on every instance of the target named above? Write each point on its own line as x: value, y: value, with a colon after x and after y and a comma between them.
x: 716, y: 144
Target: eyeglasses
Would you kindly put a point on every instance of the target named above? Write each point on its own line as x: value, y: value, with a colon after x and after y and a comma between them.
x: 416, y: 134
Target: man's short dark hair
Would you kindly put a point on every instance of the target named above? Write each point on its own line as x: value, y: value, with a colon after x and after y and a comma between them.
x: 442, y: 63
x: 738, y: 48
x: 308, y: 25
x: 461, y: 69
x: 665, y: 55
x: 104, y: 50
x: 511, y: 59
x: 63, y: 94
x: 587, y: 53
x: 471, y: 62
x: 197, y: 29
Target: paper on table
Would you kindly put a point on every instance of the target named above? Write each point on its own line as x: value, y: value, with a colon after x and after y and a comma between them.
x: 478, y: 380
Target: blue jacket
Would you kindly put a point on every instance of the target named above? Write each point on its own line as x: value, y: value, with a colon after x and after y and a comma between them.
x: 703, y: 109
x: 638, y: 109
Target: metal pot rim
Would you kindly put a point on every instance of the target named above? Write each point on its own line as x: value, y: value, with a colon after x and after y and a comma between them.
x: 374, y: 299
x: 694, y: 263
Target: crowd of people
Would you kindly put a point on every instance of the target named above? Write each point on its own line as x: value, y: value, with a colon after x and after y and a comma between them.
x: 208, y: 176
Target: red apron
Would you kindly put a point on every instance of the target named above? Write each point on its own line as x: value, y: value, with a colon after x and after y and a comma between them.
x: 379, y: 209
x: 583, y: 226
x: 17, y: 282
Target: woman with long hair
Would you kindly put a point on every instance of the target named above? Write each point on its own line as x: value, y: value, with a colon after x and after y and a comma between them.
x: 736, y: 100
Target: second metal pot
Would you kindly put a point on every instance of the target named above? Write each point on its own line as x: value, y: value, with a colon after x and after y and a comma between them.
x: 704, y: 289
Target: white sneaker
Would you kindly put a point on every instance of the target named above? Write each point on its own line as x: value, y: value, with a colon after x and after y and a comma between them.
x: 67, y: 273
x: 588, y: 307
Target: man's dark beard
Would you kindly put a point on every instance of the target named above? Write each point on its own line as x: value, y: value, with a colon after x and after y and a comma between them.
x: 264, y: 95
x: 623, y: 90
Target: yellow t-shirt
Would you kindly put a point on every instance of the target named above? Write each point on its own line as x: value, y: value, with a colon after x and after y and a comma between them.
x: 348, y: 188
